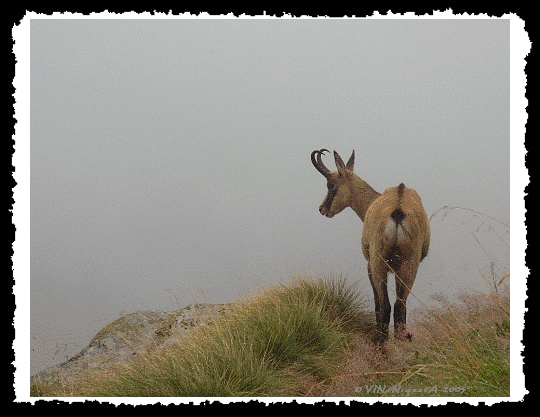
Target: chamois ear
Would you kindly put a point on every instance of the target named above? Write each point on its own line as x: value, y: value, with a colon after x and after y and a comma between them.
x: 350, y: 163
x: 339, y: 164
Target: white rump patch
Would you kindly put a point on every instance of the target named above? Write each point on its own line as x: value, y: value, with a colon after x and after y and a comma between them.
x: 390, y: 230
x: 396, y: 234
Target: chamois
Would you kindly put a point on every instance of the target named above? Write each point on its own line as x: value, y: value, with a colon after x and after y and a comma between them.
x: 395, y: 238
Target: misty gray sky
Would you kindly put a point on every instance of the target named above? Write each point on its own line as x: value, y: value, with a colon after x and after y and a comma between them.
x: 170, y: 159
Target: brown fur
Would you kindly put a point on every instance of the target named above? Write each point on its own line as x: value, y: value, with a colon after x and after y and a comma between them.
x: 395, y: 238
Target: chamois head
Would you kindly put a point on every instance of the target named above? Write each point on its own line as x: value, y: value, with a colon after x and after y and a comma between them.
x: 338, y: 183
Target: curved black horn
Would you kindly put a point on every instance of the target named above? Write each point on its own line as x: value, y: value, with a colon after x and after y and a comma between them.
x: 318, y: 163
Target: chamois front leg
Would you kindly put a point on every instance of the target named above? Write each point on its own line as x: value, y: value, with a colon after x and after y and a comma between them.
x: 378, y: 280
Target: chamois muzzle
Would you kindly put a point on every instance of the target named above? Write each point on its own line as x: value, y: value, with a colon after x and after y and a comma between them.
x: 318, y: 164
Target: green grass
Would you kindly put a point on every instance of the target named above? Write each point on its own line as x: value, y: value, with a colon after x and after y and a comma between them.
x: 312, y: 337
x: 470, y: 346
x: 458, y: 349
x: 272, y: 344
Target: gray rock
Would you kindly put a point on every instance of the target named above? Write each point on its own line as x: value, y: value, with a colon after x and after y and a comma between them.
x: 131, y: 335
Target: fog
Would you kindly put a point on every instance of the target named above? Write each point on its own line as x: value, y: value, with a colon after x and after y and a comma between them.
x: 170, y: 159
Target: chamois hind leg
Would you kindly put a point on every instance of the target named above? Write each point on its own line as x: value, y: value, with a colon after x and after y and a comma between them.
x: 404, y: 282
x: 378, y: 279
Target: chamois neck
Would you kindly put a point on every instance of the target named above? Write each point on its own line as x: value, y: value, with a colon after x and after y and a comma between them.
x: 362, y: 196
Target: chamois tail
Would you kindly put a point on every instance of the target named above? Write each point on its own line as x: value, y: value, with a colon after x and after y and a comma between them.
x: 398, y: 215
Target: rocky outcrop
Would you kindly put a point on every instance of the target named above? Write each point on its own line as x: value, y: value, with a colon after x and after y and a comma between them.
x: 131, y: 335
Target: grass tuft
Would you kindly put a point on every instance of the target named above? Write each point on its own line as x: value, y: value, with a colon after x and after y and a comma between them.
x: 272, y: 344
